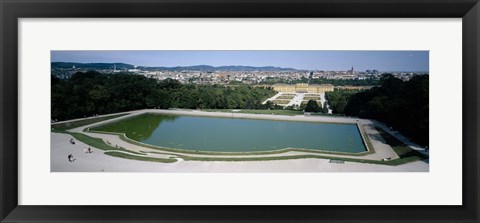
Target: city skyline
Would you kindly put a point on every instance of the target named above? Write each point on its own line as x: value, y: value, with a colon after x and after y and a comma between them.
x: 408, y: 61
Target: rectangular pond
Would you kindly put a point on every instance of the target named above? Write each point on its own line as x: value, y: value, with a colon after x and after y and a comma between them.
x: 236, y: 135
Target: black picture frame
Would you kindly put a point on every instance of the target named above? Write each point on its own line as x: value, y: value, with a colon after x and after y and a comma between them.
x: 11, y: 11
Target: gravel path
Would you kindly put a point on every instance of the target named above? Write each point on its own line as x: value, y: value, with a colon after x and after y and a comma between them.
x: 61, y: 147
x: 99, y: 162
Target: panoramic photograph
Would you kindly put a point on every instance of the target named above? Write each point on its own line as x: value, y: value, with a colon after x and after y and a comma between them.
x: 239, y: 111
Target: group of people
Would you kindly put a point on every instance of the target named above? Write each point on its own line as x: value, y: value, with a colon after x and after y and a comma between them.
x: 86, y: 150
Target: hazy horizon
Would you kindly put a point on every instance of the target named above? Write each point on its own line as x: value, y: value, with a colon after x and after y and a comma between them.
x: 400, y: 61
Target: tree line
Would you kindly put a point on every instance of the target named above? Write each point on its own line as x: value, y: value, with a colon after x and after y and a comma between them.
x: 337, y: 99
x: 400, y: 104
x: 89, y: 93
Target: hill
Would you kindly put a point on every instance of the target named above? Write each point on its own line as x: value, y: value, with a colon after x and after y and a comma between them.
x: 205, y: 68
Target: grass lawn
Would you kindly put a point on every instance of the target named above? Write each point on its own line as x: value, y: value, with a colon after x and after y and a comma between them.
x: 142, y: 158
x: 114, y: 151
x: 97, y: 142
x: 281, y: 101
x: 236, y: 159
x: 74, y: 124
x: 311, y: 98
x: 285, y: 97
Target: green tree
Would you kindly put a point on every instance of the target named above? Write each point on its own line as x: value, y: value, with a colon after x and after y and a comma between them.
x: 88, y: 93
x: 402, y: 105
x: 312, y: 106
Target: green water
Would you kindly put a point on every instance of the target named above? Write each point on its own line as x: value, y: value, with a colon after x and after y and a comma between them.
x: 237, y: 135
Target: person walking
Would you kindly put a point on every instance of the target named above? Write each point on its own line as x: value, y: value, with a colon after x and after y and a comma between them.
x: 70, y: 158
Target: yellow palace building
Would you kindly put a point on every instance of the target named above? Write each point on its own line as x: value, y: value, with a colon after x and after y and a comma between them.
x: 303, y: 88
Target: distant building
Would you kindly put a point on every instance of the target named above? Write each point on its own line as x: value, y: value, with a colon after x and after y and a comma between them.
x: 349, y: 87
x: 303, y: 88
x: 135, y: 70
x: 350, y: 71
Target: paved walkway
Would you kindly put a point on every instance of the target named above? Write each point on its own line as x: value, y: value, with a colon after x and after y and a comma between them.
x: 99, y: 162
x: 382, y: 150
x: 323, y: 99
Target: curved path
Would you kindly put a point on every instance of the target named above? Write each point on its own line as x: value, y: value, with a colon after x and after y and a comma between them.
x: 99, y: 162
x: 61, y: 149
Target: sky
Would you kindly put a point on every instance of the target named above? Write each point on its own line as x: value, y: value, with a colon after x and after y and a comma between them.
x: 304, y: 59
